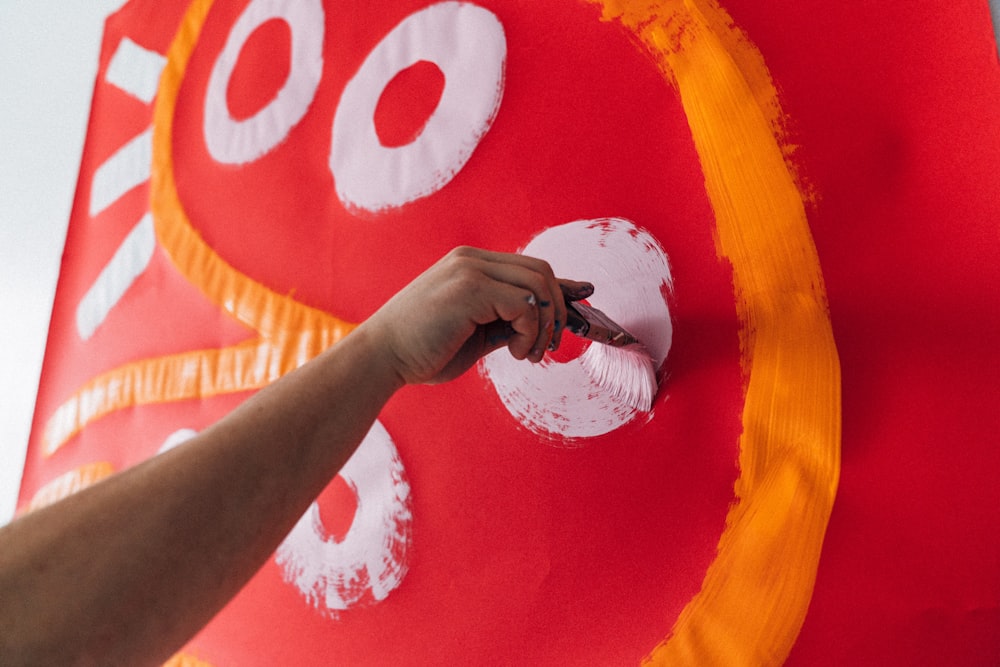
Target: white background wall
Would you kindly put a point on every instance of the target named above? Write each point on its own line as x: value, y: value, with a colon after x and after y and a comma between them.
x: 48, y: 60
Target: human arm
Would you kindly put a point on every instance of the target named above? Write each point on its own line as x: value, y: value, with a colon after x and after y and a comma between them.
x: 125, y: 572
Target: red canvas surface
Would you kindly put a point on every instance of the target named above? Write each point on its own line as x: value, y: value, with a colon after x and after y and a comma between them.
x: 528, y: 549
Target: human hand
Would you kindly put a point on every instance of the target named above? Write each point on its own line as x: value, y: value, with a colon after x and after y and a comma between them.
x: 468, y: 304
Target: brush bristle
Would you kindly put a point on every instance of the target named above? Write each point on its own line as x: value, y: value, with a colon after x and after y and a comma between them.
x: 627, y: 372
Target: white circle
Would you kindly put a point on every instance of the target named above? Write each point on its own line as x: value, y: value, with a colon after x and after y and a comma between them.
x: 468, y: 44
x: 232, y: 141
x: 372, y: 558
x: 631, y: 274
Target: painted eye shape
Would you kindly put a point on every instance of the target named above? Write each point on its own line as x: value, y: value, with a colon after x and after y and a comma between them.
x: 468, y: 45
x: 563, y: 401
x: 232, y: 141
x: 370, y: 561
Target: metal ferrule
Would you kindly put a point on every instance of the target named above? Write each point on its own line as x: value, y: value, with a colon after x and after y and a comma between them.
x: 590, y: 323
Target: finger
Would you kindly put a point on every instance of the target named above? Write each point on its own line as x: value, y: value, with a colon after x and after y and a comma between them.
x: 496, y: 335
x: 517, y: 308
x: 543, y: 295
x: 571, y: 290
x: 575, y: 290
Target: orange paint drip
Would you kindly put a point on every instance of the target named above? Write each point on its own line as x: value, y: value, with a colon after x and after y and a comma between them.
x: 289, y: 332
x: 756, y: 593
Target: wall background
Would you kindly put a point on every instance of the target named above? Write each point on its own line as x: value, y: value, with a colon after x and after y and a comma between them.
x: 48, y: 59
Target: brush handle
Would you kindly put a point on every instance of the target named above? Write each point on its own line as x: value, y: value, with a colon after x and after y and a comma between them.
x: 590, y: 323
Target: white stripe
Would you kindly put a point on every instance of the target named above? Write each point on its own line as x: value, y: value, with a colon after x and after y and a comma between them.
x: 124, y: 170
x: 128, y: 263
x: 135, y: 70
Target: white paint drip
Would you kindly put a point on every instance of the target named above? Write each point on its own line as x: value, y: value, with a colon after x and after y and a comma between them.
x: 128, y: 167
x: 467, y: 43
x: 232, y: 141
x: 372, y: 558
x: 631, y: 274
x: 135, y: 70
x: 127, y: 264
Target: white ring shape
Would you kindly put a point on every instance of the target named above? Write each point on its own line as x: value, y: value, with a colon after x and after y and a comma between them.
x: 372, y: 559
x: 232, y: 141
x: 631, y: 274
x: 468, y: 45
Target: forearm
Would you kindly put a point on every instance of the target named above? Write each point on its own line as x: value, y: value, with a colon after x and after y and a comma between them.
x: 125, y: 572
x: 183, y: 532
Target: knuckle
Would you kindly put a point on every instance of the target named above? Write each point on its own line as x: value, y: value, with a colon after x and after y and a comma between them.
x: 462, y: 252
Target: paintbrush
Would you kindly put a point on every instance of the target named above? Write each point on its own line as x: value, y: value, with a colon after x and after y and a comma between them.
x: 621, y: 364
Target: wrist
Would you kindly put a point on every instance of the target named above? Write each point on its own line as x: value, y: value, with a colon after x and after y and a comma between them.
x: 375, y: 363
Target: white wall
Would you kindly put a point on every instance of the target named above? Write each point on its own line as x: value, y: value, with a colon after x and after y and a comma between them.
x: 48, y: 60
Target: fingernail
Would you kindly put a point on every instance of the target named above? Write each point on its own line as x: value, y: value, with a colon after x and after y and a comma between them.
x: 583, y: 291
x: 531, y: 300
x: 544, y: 304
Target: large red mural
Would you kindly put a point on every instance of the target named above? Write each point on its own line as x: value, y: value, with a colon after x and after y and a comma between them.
x: 794, y: 206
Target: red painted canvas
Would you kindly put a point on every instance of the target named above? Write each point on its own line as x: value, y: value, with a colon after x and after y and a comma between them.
x: 793, y: 205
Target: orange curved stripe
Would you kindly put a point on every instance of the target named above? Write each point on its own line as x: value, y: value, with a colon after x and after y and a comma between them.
x: 267, y: 312
x: 289, y: 332
x: 69, y: 483
x: 756, y: 593
x: 201, y: 373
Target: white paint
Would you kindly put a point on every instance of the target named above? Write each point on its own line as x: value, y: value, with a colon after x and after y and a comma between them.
x: 627, y: 372
x: 135, y: 70
x: 372, y: 558
x: 127, y: 264
x: 233, y: 141
x: 468, y: 45
x: 630, y: 272
x: 128, y: 167
x: 177, y: 438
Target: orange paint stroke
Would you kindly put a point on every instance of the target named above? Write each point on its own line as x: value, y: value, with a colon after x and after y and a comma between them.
x: 186, y: 660
x: 69, y: 483
x: 289, y: 332
x: 756, y: 593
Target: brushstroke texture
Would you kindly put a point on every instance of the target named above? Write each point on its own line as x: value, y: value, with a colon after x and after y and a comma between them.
x: 756, y: 593
x: 565, y: 402
x: 289, y: 332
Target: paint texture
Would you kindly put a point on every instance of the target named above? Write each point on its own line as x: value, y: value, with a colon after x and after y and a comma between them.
x: 755, y: 594
x: 372, y: 177
x: 289, y: 332
x: 372, y: 559
x: 566, y: 402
